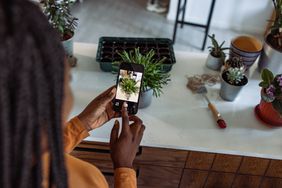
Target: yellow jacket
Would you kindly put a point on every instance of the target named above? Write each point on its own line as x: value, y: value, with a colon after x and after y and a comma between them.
x: 84, y: 175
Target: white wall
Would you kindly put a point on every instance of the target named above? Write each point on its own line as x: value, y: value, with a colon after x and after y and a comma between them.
x: 243, y: 15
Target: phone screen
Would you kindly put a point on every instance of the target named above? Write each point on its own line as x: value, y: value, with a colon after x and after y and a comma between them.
x: 129, y: 84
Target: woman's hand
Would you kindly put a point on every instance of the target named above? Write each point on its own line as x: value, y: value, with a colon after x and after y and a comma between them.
x: 99, y: 111
x: 125, y: 146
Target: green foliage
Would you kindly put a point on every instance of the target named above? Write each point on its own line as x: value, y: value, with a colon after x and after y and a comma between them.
x: 272, y: 89
x: 235, y: 75
x: 276, y: 29
x: 128, y: 85
x: 267, y: 77
x: 153, y: 77
x: 59, y: 16
x: 217, y: 50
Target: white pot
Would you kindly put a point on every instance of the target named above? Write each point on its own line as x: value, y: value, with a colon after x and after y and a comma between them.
x: 68, y: 46
x: 214, y: 63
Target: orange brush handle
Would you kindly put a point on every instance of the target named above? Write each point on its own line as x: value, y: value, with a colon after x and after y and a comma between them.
x: 221, y: 123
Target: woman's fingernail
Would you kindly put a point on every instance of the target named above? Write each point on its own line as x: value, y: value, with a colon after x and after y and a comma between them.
x: 125, y: 105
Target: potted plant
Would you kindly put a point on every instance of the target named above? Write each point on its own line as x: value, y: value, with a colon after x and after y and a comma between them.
x: 216, y: 56
x: 128, y: 86
x: 270, y: 108
x: 233, y: 80
x: 60, y: 17
x: 153, y: 79
x: 271, y: 56
x: 234, y: 62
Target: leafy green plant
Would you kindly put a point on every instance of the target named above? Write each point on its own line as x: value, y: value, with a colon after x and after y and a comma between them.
x: 153, y: 77
x: 276, y: 28
x: 216, y: 50
x: 60, y: 17
x: 235, y: 75
x: 272, y: 89
x: 128, y: 85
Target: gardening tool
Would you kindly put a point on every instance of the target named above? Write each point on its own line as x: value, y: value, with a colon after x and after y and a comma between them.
x: 219, y: 120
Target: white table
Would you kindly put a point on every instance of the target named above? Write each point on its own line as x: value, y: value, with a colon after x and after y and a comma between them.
x: 180, y: 119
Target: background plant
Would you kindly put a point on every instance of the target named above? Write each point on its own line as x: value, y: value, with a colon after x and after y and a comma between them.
x: 154, y: 78
x: 235, y: 75
x: 272, y: 87
x: 60, y: 17
x: 234, y: 62
x: 276, y: 29
x: 216, y: 50
x: 128, y: 85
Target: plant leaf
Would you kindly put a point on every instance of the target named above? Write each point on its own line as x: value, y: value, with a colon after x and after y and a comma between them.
x: 267, y: 76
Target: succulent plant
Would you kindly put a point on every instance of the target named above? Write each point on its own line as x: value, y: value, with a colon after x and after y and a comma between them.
x: 235, y: 75
x: 216, y: 50
x: 128, y: 85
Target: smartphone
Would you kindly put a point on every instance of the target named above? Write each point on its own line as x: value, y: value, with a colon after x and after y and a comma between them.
x: 129, y: 81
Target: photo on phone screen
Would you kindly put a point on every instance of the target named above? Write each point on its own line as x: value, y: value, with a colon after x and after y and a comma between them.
x: 129, y: 82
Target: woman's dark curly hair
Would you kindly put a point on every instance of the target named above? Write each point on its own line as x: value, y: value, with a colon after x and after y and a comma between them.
x: 31, y: 96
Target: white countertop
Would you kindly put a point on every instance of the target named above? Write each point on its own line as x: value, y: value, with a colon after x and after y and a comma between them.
x: 180, y: 119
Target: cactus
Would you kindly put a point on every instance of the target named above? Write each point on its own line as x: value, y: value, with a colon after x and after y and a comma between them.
x: 234, y: 62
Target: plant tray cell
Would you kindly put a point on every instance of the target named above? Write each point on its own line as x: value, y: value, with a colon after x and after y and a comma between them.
x: 109, y: 47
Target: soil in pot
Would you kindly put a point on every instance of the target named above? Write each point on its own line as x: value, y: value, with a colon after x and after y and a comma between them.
x: 273, y: 42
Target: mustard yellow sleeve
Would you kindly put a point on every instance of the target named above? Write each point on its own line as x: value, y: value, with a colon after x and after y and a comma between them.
x: 74, y: 133
x: 125, y: 178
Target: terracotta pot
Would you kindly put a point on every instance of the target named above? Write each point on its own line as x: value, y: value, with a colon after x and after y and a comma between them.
x: 266, y: 113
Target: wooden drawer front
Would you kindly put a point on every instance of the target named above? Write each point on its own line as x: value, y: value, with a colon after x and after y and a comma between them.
x: 158, y: 177
x: 89, y: 151
x: 162, y: 157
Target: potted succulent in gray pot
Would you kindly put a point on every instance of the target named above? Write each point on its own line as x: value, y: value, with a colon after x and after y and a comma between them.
x: 233, y: 80
x: 153, y: 79
x: 60, y: 17
x: 216, y: 56
x: 128, y: 86
x: 271, y: 56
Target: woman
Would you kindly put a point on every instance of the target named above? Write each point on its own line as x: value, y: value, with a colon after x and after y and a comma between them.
x: 35, y: 100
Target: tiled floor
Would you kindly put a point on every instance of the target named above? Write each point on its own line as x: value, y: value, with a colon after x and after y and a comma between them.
x: 131, y: 19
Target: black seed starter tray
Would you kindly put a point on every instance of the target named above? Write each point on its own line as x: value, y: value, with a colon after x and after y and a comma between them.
x: 109, y: 47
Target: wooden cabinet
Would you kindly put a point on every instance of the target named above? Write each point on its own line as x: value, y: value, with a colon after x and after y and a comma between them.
x: 170, y: 168
x: 155, y: 167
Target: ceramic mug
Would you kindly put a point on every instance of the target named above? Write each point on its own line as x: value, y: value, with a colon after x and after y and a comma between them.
x: 247, y: 48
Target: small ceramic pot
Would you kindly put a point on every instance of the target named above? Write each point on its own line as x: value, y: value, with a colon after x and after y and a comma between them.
x: 145, y: 98
x: 229, y: 92
x: 247, y: 48
x: 68, y: 46
x: 214, y: 63
x: 266, y: 113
